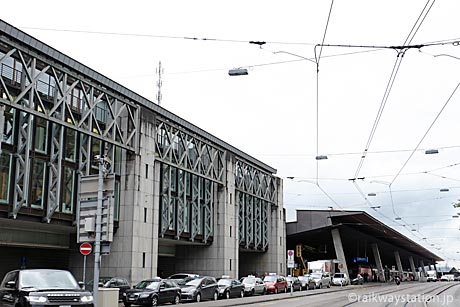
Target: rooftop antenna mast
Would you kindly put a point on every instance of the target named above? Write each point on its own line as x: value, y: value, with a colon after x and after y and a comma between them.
x: 159, y: 72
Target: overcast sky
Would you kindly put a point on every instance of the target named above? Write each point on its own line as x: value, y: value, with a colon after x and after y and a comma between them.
x: 277, y: 113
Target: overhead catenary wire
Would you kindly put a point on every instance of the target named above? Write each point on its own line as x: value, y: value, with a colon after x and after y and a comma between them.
x: 426, y: 133
x: 393, y: 75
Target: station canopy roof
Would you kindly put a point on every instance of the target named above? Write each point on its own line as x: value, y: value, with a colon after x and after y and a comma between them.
x: 316, y: 225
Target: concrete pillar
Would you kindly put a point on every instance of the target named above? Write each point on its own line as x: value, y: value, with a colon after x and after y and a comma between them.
x: 378, y: 261
x: 422, y: 266
x: 434, y: 266
x: 339, y: 250
x: 398, y: 263
x: 412, y: 267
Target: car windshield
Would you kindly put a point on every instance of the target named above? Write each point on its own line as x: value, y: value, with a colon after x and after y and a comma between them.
x: 289, y: 278
x: 194, y: 282
x: 316, y: 275
x: 224, y: 282
x: 47, y: 279
x: 249, y: 280
x: 338, y: 275
x: 148, y: 284
x: 270, y: 278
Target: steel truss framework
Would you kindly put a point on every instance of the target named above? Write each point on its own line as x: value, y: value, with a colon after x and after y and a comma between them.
x: 191, y: 170
x: 38, y: 88
x: 256, y: 194
x: 187, y: 204
x: 177, y: 147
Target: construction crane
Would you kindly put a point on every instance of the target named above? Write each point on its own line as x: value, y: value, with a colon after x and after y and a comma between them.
x: 302, y: 269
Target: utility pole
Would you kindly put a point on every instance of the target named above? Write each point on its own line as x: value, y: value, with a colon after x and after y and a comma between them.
x: 159, y: 72
x: 104, y: 166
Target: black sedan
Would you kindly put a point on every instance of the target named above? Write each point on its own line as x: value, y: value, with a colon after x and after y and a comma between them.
x: 203, y: 288
x: 230, y: 288
x: 152, y: 292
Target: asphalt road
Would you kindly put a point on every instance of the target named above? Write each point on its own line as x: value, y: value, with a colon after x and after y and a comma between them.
x: 408, y: 294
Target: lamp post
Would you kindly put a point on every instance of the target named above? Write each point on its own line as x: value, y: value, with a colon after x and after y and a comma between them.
x: 104, y: 166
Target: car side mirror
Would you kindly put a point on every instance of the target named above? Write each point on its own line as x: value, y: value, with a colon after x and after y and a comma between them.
x: 162, y: 287
x: 11, y: 284
x: 81, y: 284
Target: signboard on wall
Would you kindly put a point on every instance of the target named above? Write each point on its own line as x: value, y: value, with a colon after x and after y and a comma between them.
x: 86, y: 227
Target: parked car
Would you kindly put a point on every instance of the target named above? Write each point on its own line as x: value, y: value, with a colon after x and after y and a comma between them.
x: 275, y: 283
x: 321, y: 279
x: 340, y: 279
x: 253, y: 285
x: 42, y: 287
x: 295, y: 282
x: 111, y: 282
x: 202, y: 288
x: 152, y: 292
x: 307, y: 282
x: 230, y: 288
x: 183, y: 278
x: 358, y: 280
x: 447, y: 277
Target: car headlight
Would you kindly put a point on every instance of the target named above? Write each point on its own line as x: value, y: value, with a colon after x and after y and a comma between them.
x: 86, y: 299
x: 37, y: 299
x: 144, y: 295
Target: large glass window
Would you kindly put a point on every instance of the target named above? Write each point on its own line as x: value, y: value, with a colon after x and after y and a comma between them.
x: 40, y: 134
x: 67, y: 192
x: 70, y: 144
x: 38, y: 176
x: 5, y: 160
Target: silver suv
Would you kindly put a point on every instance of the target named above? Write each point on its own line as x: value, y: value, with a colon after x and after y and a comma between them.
x: 321, y: 279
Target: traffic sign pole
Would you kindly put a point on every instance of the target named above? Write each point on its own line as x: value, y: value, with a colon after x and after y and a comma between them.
x: 85, y: 249
x: 84, y: 272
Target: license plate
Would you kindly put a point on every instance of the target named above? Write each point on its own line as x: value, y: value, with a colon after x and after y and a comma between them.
x: 65, y: 306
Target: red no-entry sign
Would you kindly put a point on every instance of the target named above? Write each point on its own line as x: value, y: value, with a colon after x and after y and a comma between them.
x: 86, y: 248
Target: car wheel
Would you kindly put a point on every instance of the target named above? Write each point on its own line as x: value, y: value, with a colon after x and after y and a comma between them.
x: 198, y: 298
x: 285, y: 289
x: 254, y: 292
x: 329, y: 285
x: 320, y: 286
x: 127, y: 304
x: 300, y: 288
x: 227, y: 294
x: 154, y: 301
x: 242, y: 294
x: 264, y: 291
x: 276, y: 290
x: 176, y: 300
x: 216, y: 296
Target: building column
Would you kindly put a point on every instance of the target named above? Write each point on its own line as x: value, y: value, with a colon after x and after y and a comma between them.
x: 422, y: 267
x: 339, y: 250
x: 412, y: 267
x: 398, y: 263
x: 378, y: 261
x: 434, y: 266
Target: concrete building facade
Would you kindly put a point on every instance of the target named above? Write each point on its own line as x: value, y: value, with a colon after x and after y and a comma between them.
x: 183, y: 200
